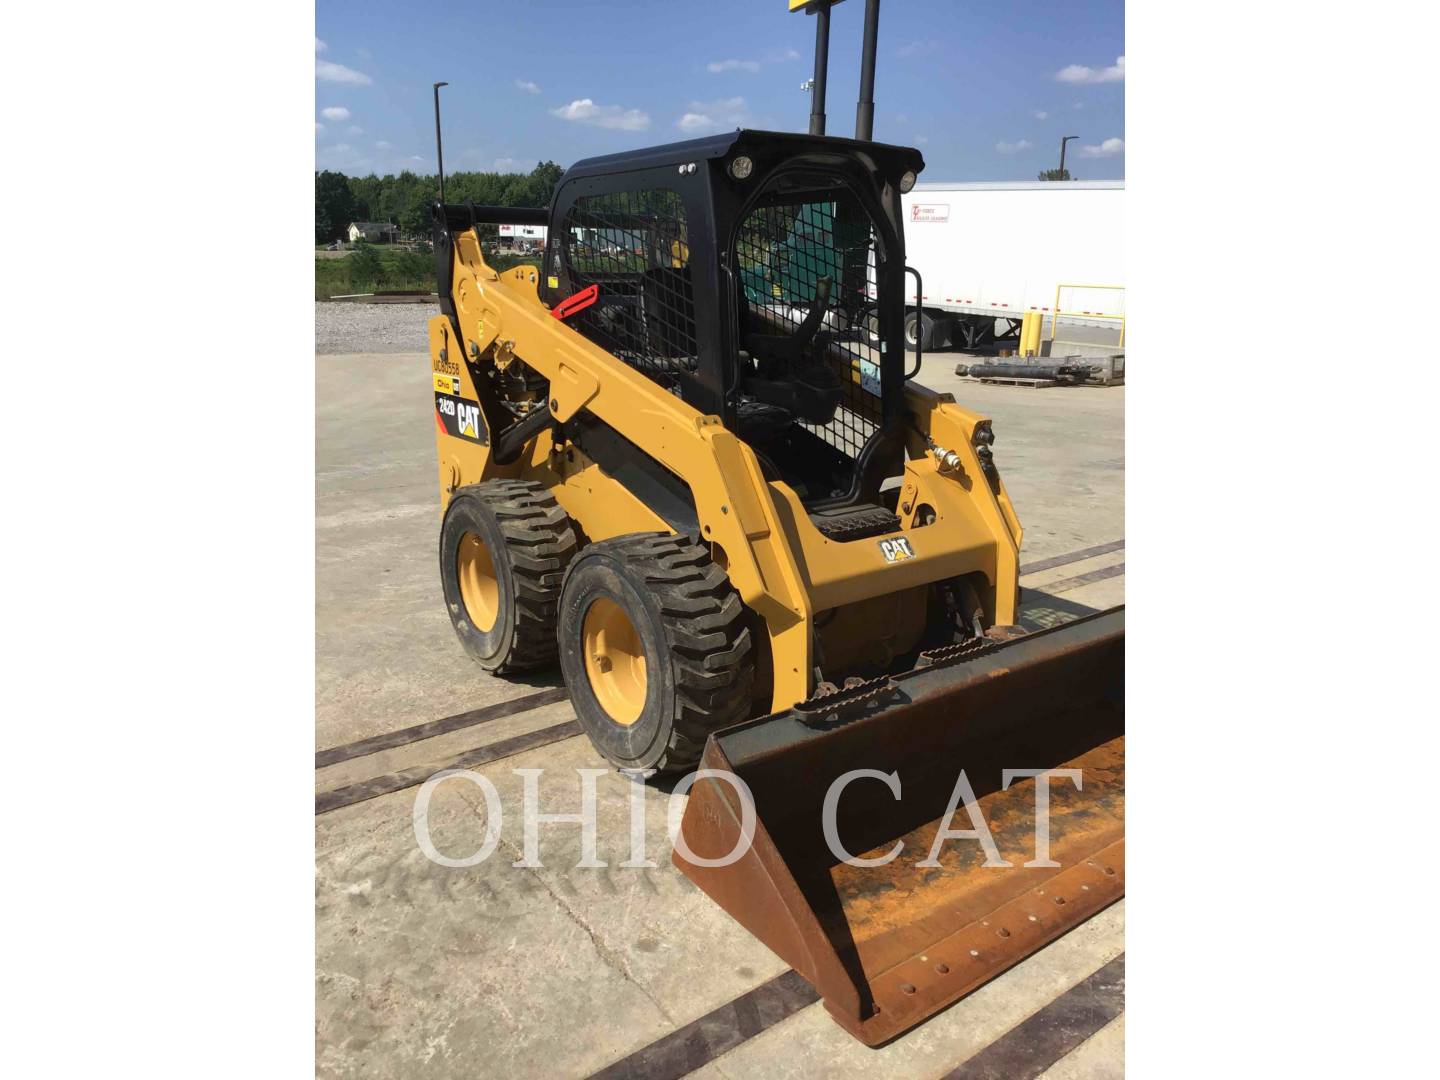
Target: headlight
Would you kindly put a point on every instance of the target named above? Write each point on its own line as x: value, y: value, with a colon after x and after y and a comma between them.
x: 907, y: 182
x: 741, y: 167
x: 983, y: 436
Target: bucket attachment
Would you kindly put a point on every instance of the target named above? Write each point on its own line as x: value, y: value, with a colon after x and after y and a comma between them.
x: 888, y: 945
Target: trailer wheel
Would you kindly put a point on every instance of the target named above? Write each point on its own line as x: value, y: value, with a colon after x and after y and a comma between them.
x: 919, y: 329
x: 504, y: 547
x: 655, y: 648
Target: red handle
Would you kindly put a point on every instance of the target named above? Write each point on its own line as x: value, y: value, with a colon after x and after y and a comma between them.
x: 579, y: 302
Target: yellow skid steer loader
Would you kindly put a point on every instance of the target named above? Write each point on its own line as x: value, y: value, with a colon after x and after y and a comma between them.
x: 684, y: 457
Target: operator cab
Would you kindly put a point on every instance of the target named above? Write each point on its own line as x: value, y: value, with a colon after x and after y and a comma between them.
x: 760, y: 277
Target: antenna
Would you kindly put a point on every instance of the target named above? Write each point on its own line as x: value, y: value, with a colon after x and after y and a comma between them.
x: 439, y: 153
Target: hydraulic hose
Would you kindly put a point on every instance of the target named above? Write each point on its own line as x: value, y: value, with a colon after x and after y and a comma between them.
x: 512, y: 440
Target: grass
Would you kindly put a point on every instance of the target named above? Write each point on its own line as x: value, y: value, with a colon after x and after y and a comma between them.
x: 380, y: 269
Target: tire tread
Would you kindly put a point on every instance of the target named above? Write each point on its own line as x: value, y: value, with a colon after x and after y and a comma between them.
x: 539, y: 542
x: 708, y: 633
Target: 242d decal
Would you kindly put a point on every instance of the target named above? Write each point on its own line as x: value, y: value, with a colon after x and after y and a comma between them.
x: 460, y: 418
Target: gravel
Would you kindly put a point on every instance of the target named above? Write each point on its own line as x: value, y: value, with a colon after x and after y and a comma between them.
x: 344, y: 327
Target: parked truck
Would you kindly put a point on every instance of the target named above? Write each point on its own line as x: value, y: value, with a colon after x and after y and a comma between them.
x: 989, y: 252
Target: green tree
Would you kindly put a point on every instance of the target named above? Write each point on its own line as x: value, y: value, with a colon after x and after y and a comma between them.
x: 367, y: 191
x: 547, y: 174
x: 364, y: 267
x: 334, y: 206
x: 414, y: 217
x: 1056, y: 174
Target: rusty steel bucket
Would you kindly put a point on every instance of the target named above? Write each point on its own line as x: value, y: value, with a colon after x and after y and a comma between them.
x: 888, y: 945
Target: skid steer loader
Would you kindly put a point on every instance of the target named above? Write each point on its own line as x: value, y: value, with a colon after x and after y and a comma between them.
x: 684, y: 456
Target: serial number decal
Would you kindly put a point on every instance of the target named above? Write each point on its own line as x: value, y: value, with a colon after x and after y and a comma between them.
x: 896, y: 549
x: 447, y: 384
x: 460, y: 418
x: 444, y: 365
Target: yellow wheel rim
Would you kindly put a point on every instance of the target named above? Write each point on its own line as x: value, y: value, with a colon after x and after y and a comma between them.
x: 475, y: 570
x: 614, y: 661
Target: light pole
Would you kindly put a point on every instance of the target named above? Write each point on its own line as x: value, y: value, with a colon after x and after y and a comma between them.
x: 1063, y: 141
x: 822, y: 65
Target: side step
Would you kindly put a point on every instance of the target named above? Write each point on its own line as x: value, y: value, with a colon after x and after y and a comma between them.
x: 855, y: 522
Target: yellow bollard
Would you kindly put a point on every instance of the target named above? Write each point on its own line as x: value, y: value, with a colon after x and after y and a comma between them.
x: 1030, y: 329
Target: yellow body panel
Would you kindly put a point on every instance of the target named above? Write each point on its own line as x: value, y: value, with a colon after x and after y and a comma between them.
x: 783, y: 567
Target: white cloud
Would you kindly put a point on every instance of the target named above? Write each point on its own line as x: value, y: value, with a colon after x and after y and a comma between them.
x: 719, y: 67
x: 340, y: 148
x: 354, y: 130
x: 723, y: 115
x: 336, y: 113
x: 921, y: 140
x: 510, y: 164
x: 917, y: 48
x: 901, y: 118
x: 1040, y: 114
x: 382, y: 145
x: 528, y: 86
x: 1079, y: 73
x: 320, y: 46
x: 585, y: 111
x: 716, y: 67
x: 319, y: 127
x: 1108, y: 148
x: 326, y: 71
x: 1014, y: 147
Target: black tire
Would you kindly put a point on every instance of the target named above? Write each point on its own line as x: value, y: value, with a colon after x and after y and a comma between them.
x: 530, y: 542
x: 921, y: 329
x: 696, y: 642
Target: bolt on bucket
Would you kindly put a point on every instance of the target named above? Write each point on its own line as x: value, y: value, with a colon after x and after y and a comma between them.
x: 898, y: 890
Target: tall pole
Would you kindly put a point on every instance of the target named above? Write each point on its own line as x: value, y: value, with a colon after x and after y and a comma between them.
x: 439, y: 155
x: 865, y: 108
x: 1063, y: 141
x: 822, y: 63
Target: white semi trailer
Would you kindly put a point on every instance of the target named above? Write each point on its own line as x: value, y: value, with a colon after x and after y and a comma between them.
x: 989, y: 252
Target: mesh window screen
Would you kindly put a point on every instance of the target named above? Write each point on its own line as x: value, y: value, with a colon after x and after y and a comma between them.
x: 634, y: 246
x: 782, y: 251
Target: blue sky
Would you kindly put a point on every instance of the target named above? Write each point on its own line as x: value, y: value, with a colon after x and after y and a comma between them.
x: 984, y: 90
